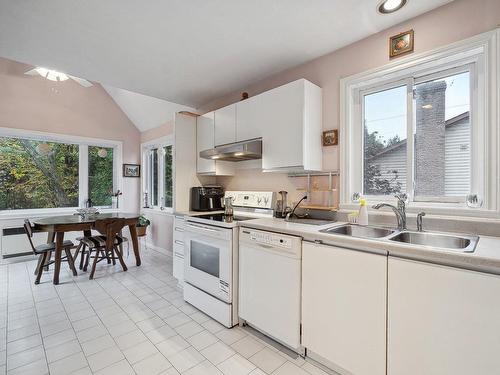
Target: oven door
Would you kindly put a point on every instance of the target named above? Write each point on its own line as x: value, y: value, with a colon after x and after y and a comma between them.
x: 208, y: 259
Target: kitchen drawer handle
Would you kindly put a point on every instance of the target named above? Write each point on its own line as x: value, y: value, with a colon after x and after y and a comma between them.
x: 179, y: 242
x: 179, y: 229
x: 202, y: 228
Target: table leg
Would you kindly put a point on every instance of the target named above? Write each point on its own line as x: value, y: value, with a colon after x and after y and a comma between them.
x: 57, y: 259
x: 135, y: 243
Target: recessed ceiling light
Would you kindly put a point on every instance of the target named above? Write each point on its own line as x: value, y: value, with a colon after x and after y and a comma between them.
x: 390, y: 6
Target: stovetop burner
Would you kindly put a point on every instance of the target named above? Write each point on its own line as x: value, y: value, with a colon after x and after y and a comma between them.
x: 223, y: 218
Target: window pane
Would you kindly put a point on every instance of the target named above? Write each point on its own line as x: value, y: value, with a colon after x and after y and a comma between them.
x: 442, y: 137
x: 36, y: 174
x: 154, y: 177
x: 168, y: 176
x: 384, y: 167
x: 100, y: 175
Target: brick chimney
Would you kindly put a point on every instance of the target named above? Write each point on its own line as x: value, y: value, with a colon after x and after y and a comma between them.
x: 430, y: 139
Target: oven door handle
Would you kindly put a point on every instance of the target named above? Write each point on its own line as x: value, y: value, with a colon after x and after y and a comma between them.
x: 207, y: 229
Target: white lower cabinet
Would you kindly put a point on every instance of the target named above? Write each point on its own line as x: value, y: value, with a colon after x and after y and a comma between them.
x: 442, y: 320
x: 178, y: 249
x: 344, y: 295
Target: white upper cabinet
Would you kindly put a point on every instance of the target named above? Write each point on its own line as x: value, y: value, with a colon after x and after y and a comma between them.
x: 291, y: 127
x: 287, y: 118
x: 225, y: 125
x: 250, y: 116
x: 204, y: 141
x: 442, y: 320
x: 344, y: 294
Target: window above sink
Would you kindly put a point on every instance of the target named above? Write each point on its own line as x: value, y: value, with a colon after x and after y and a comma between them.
x: 426, y: 126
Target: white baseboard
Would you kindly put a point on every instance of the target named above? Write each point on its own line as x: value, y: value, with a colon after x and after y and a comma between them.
x: 159, y: 249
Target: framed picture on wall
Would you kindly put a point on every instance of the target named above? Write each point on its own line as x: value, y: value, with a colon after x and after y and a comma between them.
x: 131, y: 170
x: 401, y: 44
x: 331, y: 137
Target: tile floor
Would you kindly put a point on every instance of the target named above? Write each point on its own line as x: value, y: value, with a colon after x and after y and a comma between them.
x: 122, y: 323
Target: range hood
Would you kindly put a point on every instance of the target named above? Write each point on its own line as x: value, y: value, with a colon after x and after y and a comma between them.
x: 240, y: 151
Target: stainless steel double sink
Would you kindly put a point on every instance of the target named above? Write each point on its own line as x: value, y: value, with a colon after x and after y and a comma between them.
x: 445, y: 241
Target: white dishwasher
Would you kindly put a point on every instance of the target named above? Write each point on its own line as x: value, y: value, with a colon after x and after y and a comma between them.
x: 270, y: 284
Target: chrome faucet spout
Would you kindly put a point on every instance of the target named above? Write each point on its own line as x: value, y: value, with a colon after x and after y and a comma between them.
x: 400, y: 214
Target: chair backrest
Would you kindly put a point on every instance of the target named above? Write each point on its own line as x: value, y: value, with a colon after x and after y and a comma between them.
x: 110, y: 228
x: 29, y: 232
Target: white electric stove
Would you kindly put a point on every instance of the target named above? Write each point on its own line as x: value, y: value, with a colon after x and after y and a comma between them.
x: 211, y: 255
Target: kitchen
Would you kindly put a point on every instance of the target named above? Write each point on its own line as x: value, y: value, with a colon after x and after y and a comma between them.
x: 337, y: 212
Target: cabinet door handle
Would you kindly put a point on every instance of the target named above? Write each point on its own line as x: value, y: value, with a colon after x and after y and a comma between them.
x: 179, y: 242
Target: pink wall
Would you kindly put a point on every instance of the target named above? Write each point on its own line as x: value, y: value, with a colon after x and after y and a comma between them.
x: 453, y: 22
x: 35, y: 103
x: 158, y: 132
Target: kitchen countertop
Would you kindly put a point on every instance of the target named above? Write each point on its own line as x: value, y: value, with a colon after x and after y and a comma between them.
x: 485, y: 258
x: 194, y: 213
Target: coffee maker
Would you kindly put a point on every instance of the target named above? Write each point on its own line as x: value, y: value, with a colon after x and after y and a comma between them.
x: 206, y: 198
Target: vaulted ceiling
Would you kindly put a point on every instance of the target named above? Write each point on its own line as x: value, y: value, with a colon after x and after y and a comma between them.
x: 186, y: 51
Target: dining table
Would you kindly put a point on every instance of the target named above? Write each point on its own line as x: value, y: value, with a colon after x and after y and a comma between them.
x: 57, y: 226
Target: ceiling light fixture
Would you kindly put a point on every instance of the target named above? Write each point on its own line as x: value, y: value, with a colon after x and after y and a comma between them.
x: 391, y: 6
x: 52, y: 75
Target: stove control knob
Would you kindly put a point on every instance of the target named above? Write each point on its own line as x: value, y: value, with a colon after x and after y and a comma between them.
x: 266, y: 200
x: 259, y: 199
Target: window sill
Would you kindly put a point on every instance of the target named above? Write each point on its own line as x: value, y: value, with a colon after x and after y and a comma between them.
x: 22, y: 214
x: 158, y: 211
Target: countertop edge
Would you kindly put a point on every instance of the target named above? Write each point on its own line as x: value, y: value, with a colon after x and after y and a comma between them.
x: 468, y: 261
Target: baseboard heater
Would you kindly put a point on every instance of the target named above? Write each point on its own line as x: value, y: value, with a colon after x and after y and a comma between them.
x: 15, y: 242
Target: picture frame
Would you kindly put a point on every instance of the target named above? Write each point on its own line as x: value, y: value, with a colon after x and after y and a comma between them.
x: 131, y: 170
x: 401, y: 44
x: 331, y: 137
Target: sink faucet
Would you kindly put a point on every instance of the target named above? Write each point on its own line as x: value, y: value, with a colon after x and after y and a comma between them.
x: 399, y: 211
x: 419, y: 221
x: 292, y: 212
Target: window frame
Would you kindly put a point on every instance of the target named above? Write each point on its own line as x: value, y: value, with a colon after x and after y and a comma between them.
x: 481, y: 54
x: 146, y: 185
x: 83, y: 175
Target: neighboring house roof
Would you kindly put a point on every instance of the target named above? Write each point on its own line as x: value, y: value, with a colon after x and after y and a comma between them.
x: 448, y: 123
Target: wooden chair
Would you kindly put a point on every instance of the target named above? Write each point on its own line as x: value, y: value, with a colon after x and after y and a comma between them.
x: 44, y: 250
x: 83, y: 250
x: 105, y: 246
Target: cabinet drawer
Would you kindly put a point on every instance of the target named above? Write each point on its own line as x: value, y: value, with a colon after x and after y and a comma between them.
x: 178, y: 268
x: 178, y: 236
x: 179, y: 249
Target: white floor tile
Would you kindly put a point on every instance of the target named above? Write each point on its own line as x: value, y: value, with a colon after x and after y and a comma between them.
x: 267, y: 360
x: 34, y: 368
x: 25, y: 357
x: 24, y: 344
x: 185, y: 359
x: 130, y: 339
x: 152, y: 365
x: 230, y: 336
x: 189, y: 329
x: 160, y: 334
x: 98, y: 344
x: 140, y: 351
x: 172, y: 345
x: 247, y: 346
x: 204, y: 368
x: 119, y: 368
x: 236, y: 365
x: 104, y: 358
x: 68, y: 365
x: 289, y: 368
x: 202, y: 339
x: 218, y: 352
x: 62, y: 351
